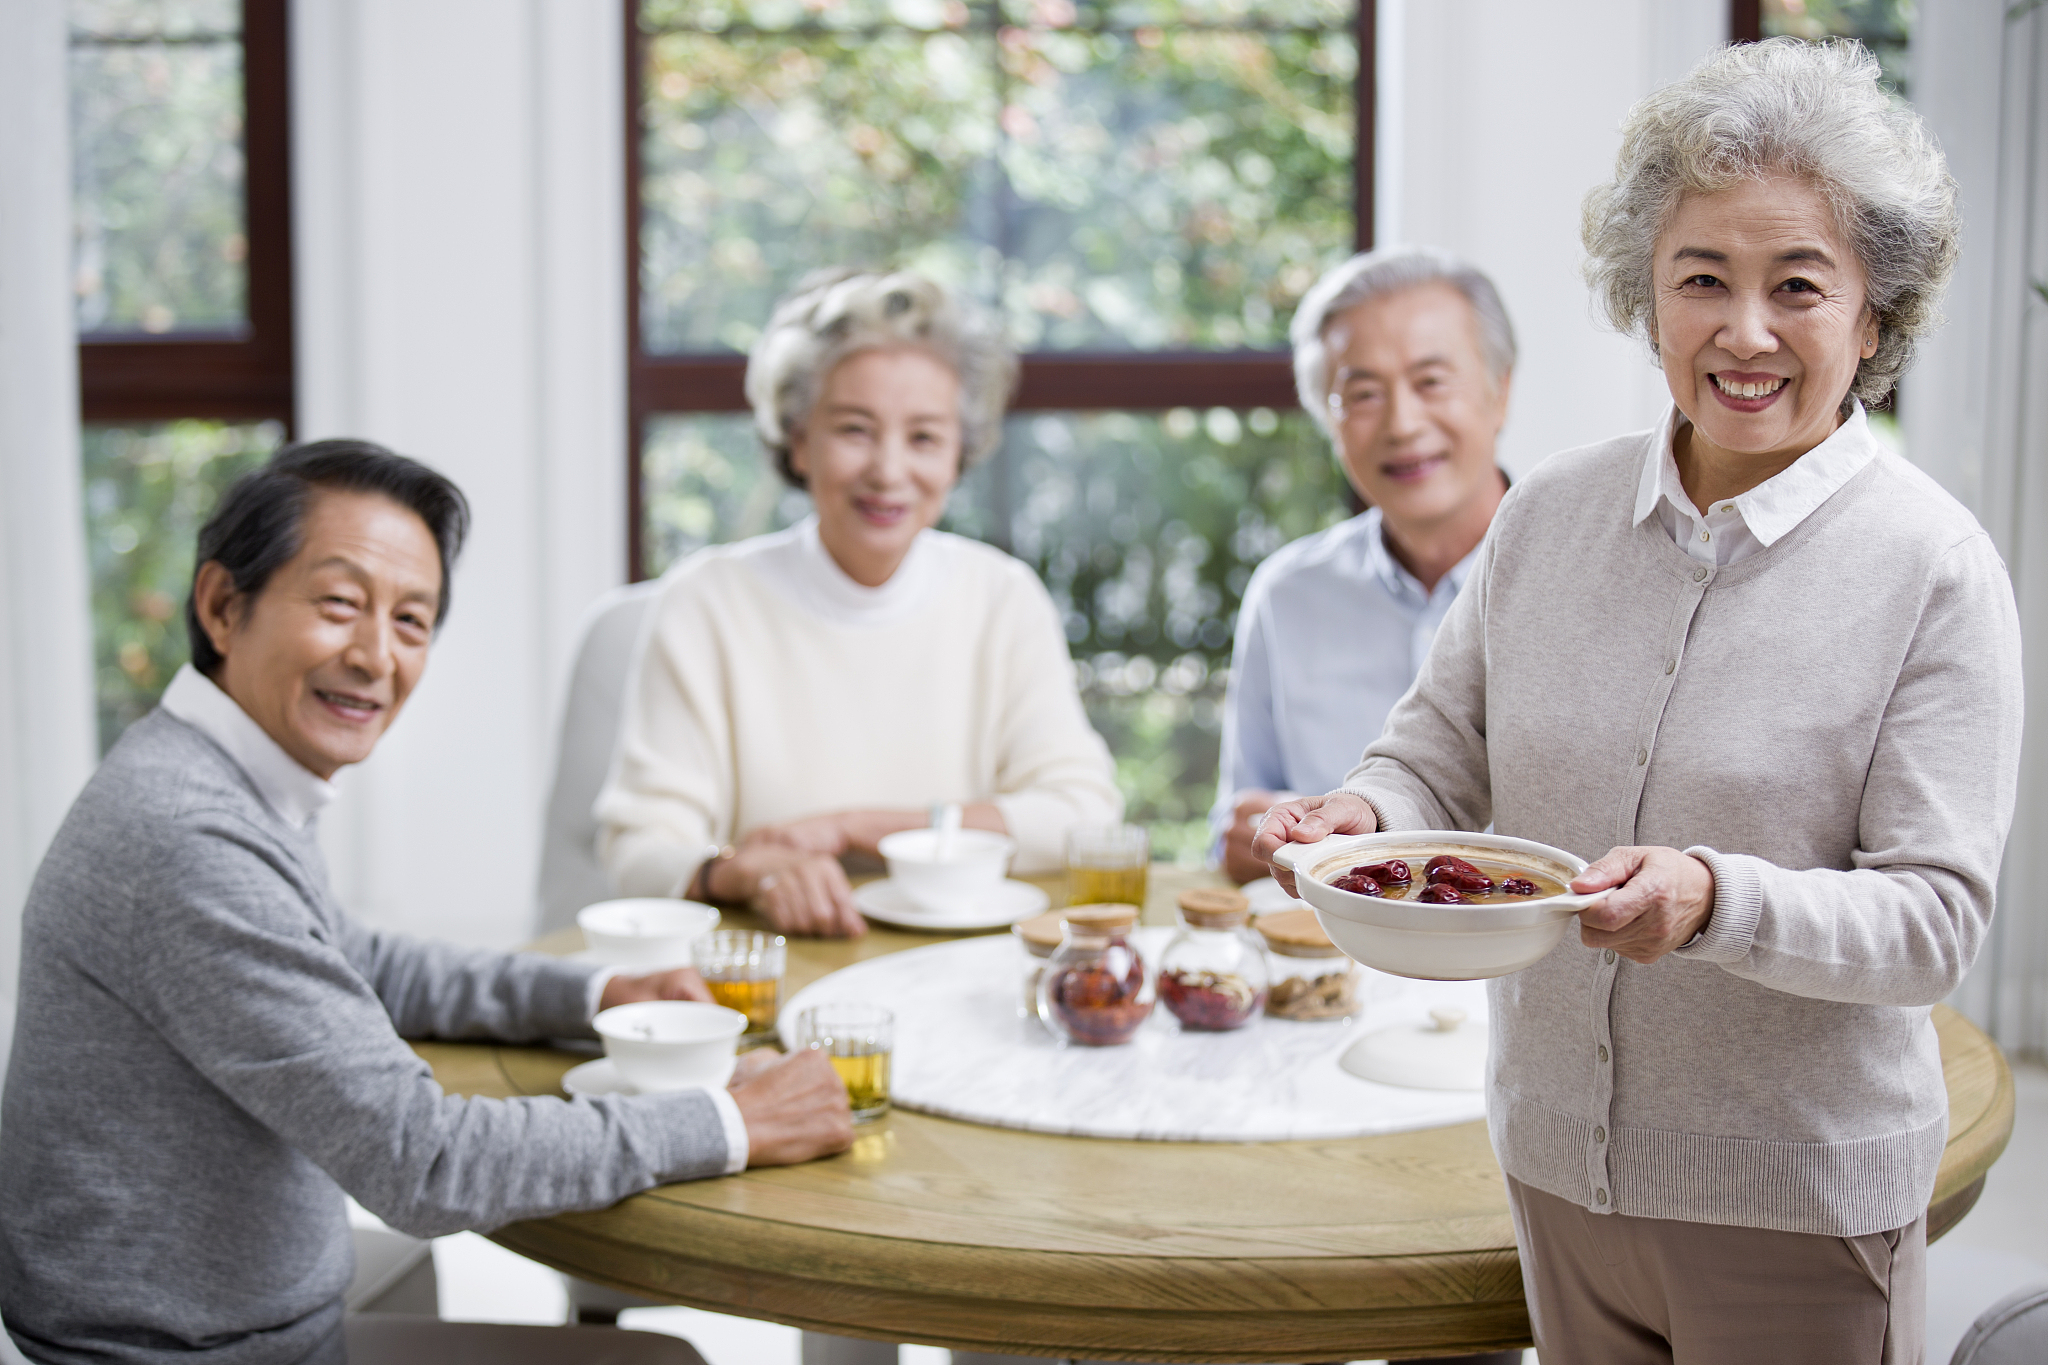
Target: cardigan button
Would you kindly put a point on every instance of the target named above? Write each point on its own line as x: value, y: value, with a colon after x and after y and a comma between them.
x: 1669, y: 666
x: 1603, y: 1052
x: 1642, y: 757
x: 1609, y: 956
x: 1599, y: 1135
x: 1699, y: 575
x: 1600, y: 1195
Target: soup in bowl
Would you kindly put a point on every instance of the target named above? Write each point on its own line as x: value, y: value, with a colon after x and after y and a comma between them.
x: 1438, y: 905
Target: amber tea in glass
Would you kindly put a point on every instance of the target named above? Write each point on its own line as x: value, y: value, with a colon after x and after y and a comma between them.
x: 1107, y: 866
x: 857, y: 1040
x: 744, y: 971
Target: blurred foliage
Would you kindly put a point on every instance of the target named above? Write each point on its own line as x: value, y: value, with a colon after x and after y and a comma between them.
x: 1150, y: 175
x: 157, y: 171
x: 1883, y: 26
x: 1144, y: 527
x: 148, y: 490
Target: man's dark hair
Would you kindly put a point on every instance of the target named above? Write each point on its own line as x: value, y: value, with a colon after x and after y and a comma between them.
x: 256, y: 529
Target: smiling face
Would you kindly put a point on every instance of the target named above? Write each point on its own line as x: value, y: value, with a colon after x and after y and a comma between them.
x: 1417, y: 413
x: 1761, y: 318
x: 879, y: 453
x: 326, y: 654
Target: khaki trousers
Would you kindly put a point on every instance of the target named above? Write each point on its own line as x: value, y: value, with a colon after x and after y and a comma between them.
x: 1608, y: 1289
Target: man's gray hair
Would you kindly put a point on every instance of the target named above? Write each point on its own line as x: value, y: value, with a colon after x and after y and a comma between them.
x: 1374, y: 274
x: 837, y: 313
x: 1814, y: 110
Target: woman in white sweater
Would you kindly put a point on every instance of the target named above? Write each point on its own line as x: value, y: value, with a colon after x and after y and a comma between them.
x: 802, y: 694
x: 1756, y: 636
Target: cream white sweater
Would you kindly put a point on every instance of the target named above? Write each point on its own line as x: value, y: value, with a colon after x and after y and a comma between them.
x: 771, y: 686
x: 1833, y: 723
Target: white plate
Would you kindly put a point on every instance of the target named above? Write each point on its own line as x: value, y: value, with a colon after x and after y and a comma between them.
x: 1009, y: 902
x: 596, y: 1078
x: 1266, y: 897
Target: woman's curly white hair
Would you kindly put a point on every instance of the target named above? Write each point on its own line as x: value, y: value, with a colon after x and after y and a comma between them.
x: 833, y: 314
x: 1785, y: 106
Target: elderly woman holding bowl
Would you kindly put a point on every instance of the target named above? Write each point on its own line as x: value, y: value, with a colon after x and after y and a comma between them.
x: 802, y: 694
x: 1770, y: 673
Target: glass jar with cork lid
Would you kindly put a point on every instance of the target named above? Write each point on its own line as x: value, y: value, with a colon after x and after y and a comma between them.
x: 1039, y: 937
x: 1095, y: 990
x: 1212, y: 973
x: 1312, y: 978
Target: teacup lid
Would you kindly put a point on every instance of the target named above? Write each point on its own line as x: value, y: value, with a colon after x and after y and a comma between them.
x: 1296, y: 933
x: 1212, y: 907
x: 1100, y: 921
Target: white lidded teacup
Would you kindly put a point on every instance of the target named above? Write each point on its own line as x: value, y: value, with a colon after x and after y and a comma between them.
x: 672, y: 1044
x: 970, y: 866
x: 645, y: 932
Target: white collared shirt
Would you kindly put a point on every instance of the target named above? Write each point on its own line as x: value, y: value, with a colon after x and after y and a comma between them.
x: 297, y: 795
x: 1735, y: 528
x: 283, y: 783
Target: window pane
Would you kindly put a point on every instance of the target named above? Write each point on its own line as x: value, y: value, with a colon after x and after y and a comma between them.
x: 148, y: 489
x: 1883, y: 26
x: 156, y: 121
x: 1149, y: 175
x: 1145, y: 528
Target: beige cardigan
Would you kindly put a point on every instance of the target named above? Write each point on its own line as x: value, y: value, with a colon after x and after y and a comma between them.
x: 1833, y: 724
x: 770, y: 686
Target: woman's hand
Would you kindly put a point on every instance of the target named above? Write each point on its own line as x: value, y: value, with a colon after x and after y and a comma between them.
x: 1311, y: 820
x: 681, y: 984
x: 798, y: 892
x: 795, y: 1109
x: 1660, y: 900
x: 826, y: 834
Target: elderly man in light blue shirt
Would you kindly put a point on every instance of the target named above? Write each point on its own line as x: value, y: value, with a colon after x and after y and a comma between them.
x: 1404, y: 358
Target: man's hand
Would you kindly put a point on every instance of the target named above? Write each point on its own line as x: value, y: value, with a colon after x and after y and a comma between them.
x: 1661, y: 899
x: 1239, y: 863
x: 795, y: 1110
x: 1311, y: 820
x: 681, y: 984
x: 798, y: 892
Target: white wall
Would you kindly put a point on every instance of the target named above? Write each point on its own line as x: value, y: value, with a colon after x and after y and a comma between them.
x: 1497, y: 117
x: 46, y: 721
x: 460, y: 256
x: 1975, y: 412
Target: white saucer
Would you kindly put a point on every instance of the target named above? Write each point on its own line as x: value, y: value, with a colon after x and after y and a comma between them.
x: 1266, y: 897
x: 1009, y: 902
x: 596, y: 1078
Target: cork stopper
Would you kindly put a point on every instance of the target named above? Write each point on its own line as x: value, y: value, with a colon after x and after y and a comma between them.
x: 1295, y: 933
x: 1040, y: 934
x: 1214, y: 908
x: 1100, y: 921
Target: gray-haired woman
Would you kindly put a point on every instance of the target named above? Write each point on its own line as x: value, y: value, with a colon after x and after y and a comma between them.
x: 802, y: 694
x: 1756, y: 636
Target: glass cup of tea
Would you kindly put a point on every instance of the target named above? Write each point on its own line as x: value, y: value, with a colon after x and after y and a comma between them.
x: 1106, y: 865
x: 857, y: 1040
x: 744, y: 971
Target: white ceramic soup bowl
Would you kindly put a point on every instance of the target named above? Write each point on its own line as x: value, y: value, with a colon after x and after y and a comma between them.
x: 975, y: 866
x: 648, y: 932
x: 1435, y: 942
x: 671, y: 1044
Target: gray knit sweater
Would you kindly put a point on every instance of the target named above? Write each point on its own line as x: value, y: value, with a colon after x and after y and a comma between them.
x: 1833, y: 723
x: 209, y: 1052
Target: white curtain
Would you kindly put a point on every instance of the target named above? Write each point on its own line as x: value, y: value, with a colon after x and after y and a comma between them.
x: 46, y: 717
x: 1975, y: 413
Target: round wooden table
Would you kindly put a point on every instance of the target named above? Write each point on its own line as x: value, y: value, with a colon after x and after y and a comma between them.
x: 951, y: 1234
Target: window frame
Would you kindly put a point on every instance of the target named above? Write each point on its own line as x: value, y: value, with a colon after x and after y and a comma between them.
x: 1143, y: 381
x: 241, y: 377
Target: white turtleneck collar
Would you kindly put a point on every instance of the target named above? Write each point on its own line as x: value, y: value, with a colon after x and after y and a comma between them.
x: 293, y: 792
x: 799, y: 566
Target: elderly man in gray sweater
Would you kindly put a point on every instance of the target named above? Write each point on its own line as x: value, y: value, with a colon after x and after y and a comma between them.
x: 209, y: 1052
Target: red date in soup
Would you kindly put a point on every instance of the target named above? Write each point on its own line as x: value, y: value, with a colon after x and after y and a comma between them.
x: 1443, y: 893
